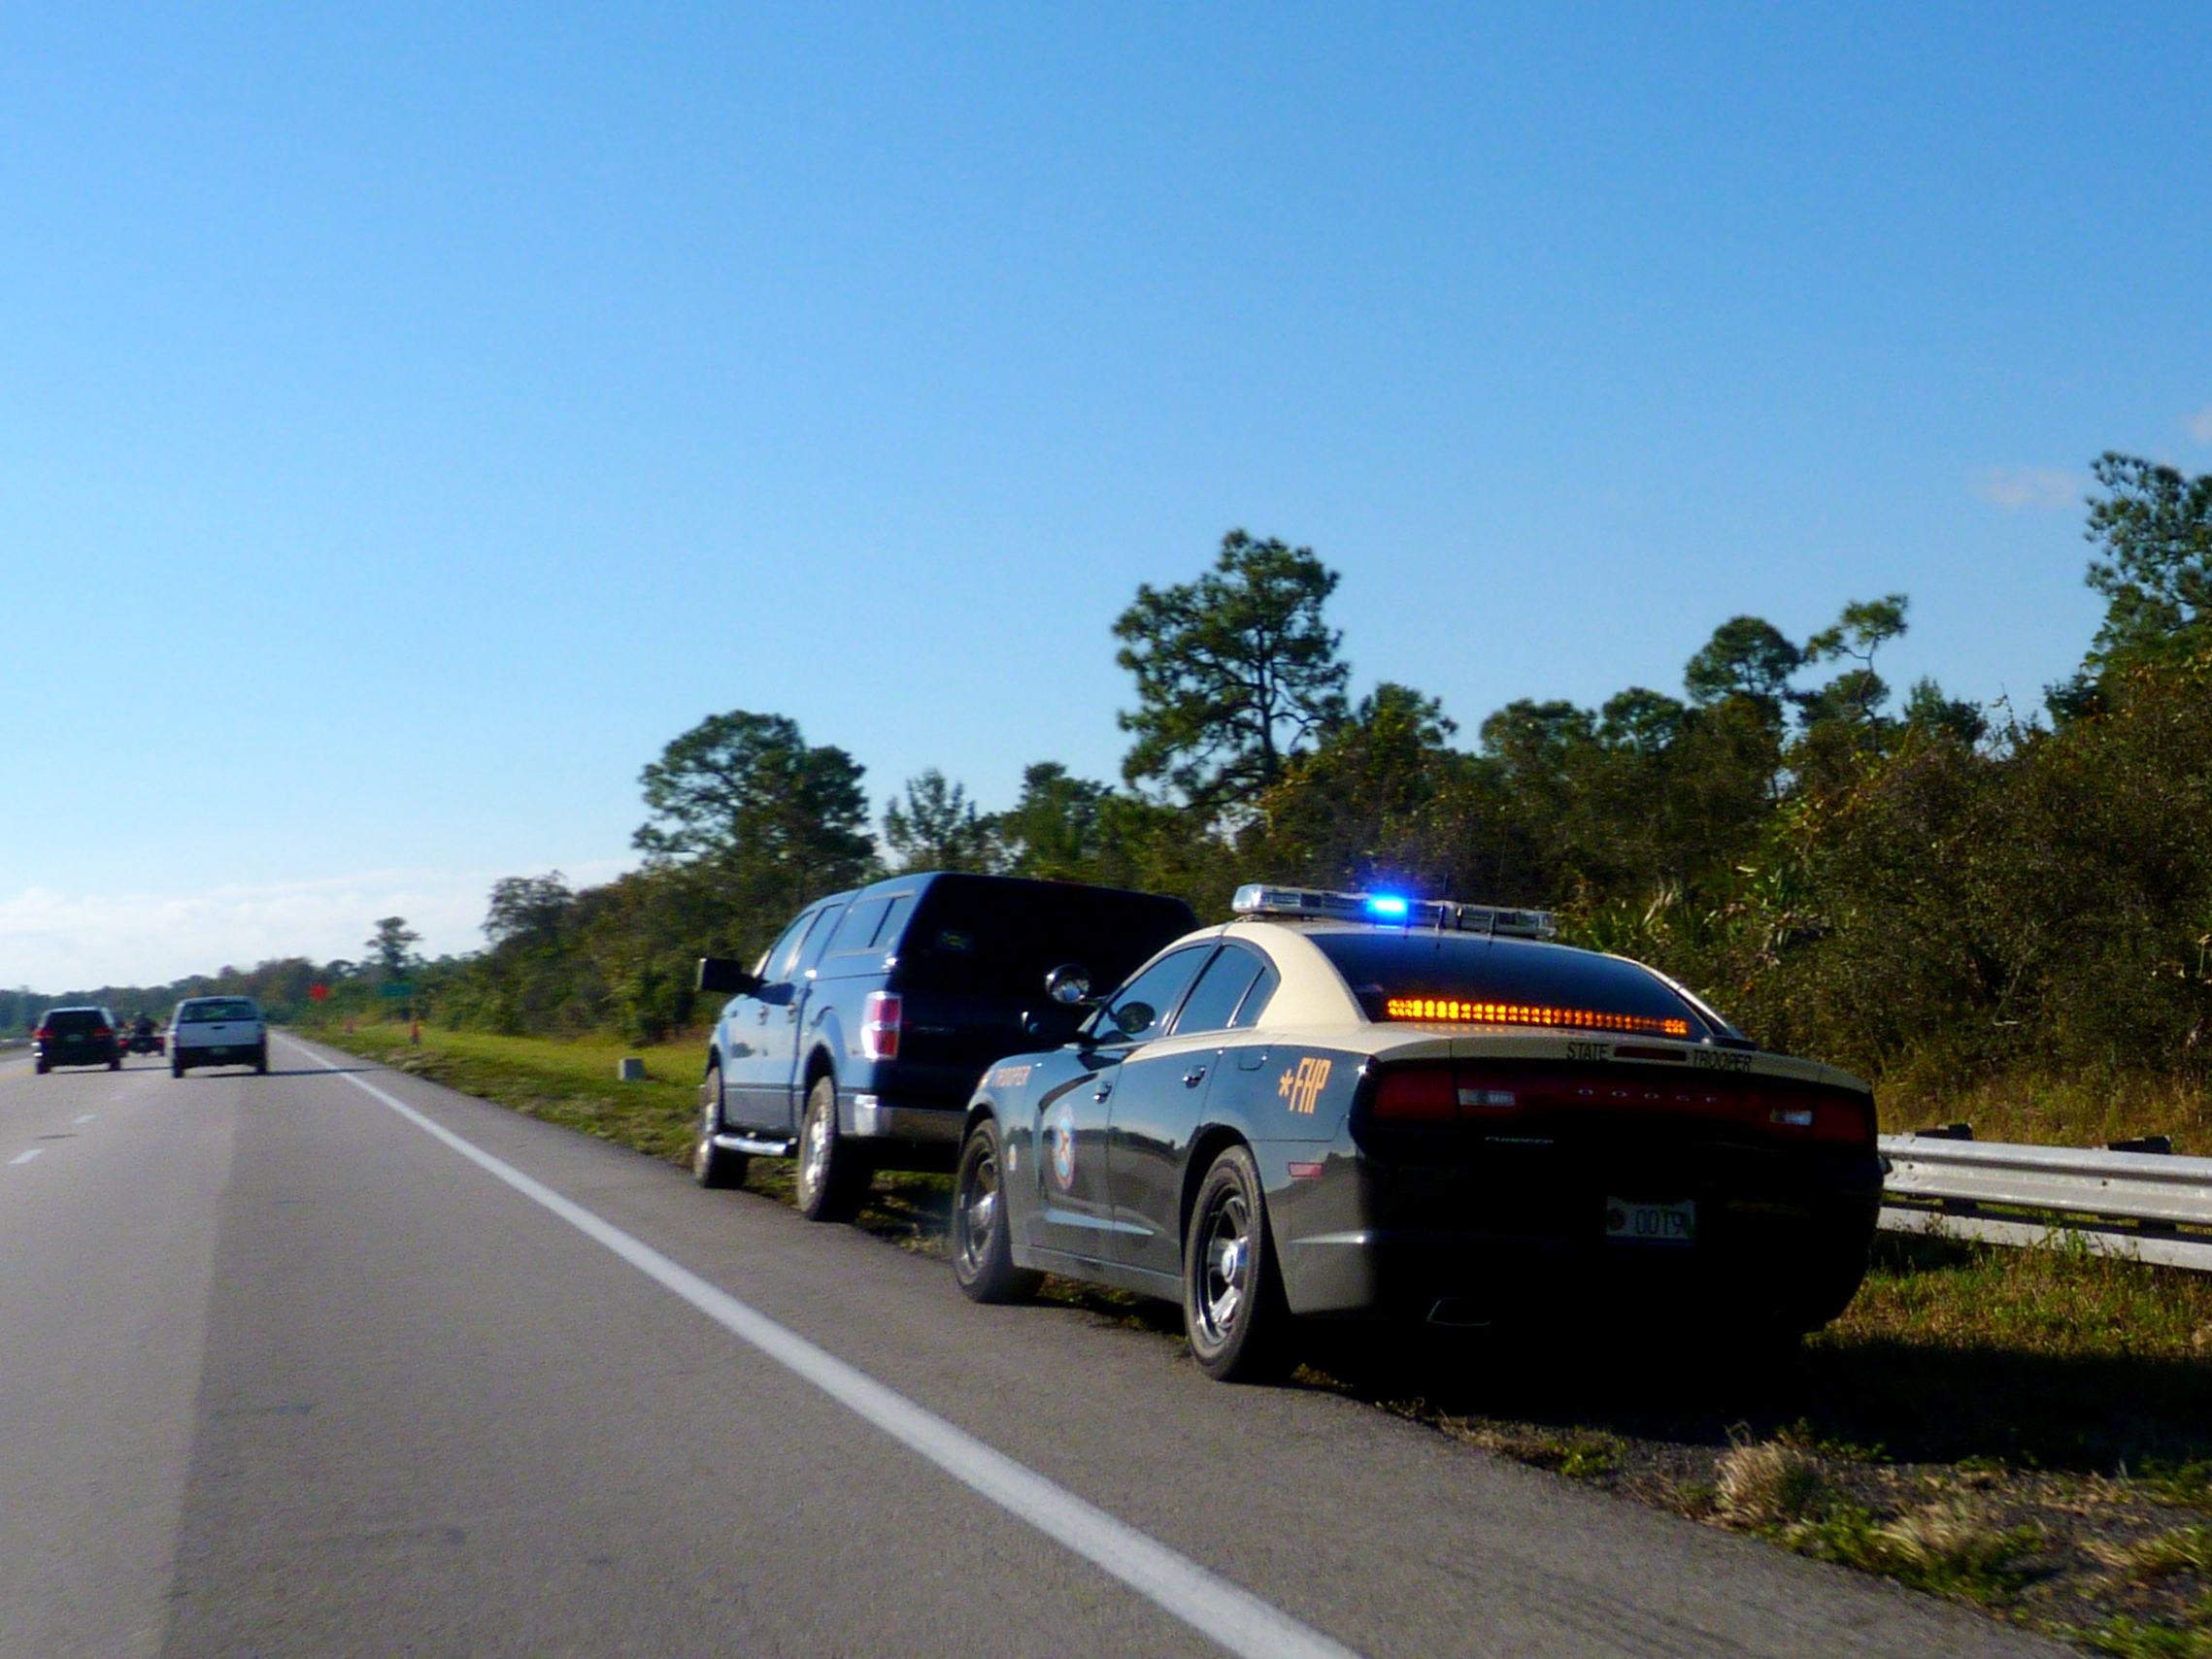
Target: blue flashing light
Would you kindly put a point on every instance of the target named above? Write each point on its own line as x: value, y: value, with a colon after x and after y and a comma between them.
x: 1386, y: 905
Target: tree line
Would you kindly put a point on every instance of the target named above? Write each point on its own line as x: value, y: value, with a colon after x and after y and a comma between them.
x: 1911, y: 885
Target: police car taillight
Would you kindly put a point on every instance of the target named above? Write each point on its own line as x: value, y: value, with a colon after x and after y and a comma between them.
x: 879, y: 1019
x: 1438, y: 1094
x: 1416, y: 1094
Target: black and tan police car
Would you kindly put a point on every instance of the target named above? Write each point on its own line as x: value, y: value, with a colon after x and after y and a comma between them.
x: 1350, y: 1106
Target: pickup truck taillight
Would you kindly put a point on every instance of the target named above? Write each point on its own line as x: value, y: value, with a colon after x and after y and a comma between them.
x: 880, y: 1018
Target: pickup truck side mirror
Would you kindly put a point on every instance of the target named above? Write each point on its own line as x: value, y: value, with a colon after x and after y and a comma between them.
x: 729, y: 978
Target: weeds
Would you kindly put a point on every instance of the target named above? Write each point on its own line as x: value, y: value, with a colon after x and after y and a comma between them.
x: 1770, y: 1485
x: 2185, y: 1550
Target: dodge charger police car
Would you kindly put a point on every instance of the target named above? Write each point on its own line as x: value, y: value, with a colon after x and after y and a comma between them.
x: 1343, y: 1105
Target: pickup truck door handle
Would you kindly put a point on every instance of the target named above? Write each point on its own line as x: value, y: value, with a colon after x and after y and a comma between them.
x: 1196, y: 1075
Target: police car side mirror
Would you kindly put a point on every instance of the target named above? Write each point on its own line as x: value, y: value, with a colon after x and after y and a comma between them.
x: 1068, y: 984
x: 1054, y: 1025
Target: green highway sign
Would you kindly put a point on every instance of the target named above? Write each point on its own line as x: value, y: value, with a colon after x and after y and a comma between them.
x: 396, y: 989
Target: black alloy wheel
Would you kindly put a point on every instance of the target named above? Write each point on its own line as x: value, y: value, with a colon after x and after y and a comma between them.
x: 833, y: 1173
x: 982, y: 1253
x: 1234, y: 1305
x: 714, y: 1166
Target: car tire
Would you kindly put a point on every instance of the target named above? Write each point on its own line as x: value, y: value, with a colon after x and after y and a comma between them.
x: 177, y: 1068
x: 116, y: 1064
x: 1233, y: 1307
x: 262, y: 1060
x: 983, y: 1247
x: 43, y: 1067
x: 714, y: 1166
x: 833, y: 1176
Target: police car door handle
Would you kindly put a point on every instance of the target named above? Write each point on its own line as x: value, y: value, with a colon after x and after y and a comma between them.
x: 1102, y: 1091
x: 1196, y: 1075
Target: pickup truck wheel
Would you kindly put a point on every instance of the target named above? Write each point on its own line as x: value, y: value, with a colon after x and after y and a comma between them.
x: 1233, y: 1305
x: 714, y: 1166
x: 982, y: 1251
x: 176, y: 1067
x: 262, y: 1059
x: 833, y: 1178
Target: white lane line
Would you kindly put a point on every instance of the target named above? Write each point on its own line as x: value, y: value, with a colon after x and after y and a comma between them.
x: 87, y: 1118
x: 26, y: 1157
x: 1233, y: 1618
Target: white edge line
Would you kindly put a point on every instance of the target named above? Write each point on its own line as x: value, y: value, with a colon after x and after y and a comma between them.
x: 25, y: 1157
x: 1230, y: 1616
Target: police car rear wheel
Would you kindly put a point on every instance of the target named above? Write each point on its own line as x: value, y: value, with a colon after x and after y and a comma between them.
x: 833, y: 1176
x: 1234, y: 1305
x: 714, y: 1166
x: 983, y: 1255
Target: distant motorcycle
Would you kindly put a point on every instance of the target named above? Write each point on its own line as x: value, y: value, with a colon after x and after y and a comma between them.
x: 145, y: 1040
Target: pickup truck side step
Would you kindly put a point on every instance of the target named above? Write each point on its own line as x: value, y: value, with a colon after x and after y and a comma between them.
x: 757, y: 1147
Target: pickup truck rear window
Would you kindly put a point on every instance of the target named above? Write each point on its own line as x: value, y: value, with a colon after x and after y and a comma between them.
x: 209, y: 1013
x: 980, y: 935
x: 1462, y: 979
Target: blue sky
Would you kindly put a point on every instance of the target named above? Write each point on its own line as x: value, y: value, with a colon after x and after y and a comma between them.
x: 411, y: 418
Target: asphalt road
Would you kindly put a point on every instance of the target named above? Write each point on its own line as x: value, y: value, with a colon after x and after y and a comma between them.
x: 292, y: 1365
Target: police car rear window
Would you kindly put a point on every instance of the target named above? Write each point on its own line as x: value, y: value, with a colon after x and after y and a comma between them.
x: 1463, y: 980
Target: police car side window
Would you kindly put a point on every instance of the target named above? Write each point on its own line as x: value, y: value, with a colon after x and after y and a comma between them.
x: 1157, y: 989
x: 1219, y: 990
x: 1254, y: 1008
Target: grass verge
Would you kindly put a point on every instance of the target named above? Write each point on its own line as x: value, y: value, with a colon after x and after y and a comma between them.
x: 2030, y: 1431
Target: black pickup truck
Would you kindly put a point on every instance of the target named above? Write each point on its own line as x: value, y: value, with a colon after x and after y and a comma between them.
x: 857, y: 1038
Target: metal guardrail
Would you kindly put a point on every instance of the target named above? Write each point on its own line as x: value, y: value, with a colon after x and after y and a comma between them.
x: 2145, y: 1206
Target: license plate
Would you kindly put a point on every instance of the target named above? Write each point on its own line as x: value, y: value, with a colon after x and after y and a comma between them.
x: 73, y: 1036
x: 1640, y: 1223
x: 218, y: 1053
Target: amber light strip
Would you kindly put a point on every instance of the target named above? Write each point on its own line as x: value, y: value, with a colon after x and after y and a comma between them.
x: 1526, y: 1014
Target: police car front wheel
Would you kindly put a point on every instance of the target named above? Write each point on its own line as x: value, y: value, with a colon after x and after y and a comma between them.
x: 982, y: 1257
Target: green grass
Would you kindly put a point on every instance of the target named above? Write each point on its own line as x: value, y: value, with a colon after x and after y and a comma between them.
x: 570, y: 1081
x: 2045, y: 1111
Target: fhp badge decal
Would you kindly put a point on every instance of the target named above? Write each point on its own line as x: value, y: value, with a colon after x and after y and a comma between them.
x: 1059, y: 1143
x: 1302, y: 1083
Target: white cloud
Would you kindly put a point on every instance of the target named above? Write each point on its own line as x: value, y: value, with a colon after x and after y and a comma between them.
x: 2199, y: 424
x: 2032, y: 489
x: 58, y: 942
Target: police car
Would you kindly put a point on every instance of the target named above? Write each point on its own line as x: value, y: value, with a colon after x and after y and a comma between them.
x: 1365, y: 1106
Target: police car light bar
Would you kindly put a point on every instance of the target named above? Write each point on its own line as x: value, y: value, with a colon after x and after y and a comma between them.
x: 1388, y: 910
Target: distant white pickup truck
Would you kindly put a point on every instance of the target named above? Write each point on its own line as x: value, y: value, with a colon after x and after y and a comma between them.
x: 217, y: 1031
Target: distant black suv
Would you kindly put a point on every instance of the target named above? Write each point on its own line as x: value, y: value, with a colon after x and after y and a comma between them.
x: 78, y: 1036
x: 858, y: 1037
